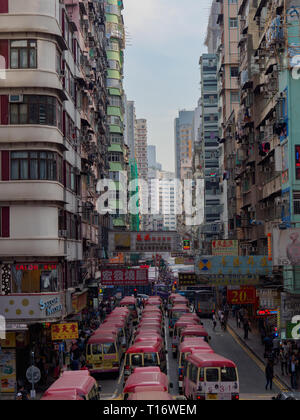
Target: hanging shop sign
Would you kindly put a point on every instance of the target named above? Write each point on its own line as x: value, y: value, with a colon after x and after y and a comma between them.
x: 67, y: 331
x: 241, y: 296
x: 231, y: 270
x: 187, y: 279
x: 125, y: 277
x: 133, y: 242
x: 8, y: 371
x: 225, y: 248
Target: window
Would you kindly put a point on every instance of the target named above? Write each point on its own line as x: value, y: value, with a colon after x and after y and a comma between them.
x: 96, y: 348
x: 194, y: 373
x: 235, y: 97
x: 23, y: 54
x: 233, y: 23
x: 228, y: 374
x: 234, y: 71
x: 150, y: 359
x: 212, y: 375
x: 137, y: 360
x: 36, y: 166
x: 109, y: 348
x: 36, y: 109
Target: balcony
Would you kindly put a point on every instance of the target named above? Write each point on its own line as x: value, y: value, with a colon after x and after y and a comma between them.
x: 30, y: 134
x: 272, y: 187
x: 31, y: 191
x: 38, y: 247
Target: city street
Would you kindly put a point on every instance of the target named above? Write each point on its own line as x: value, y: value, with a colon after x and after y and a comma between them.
x: 251, y: 372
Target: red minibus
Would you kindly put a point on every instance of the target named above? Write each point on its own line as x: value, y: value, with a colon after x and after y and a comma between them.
x: 209, y: 376
x: 148, y: 353
x: 174, y: 314
x: 79, y: 381
x: 186, y: 348
x: 194, y: 331
x: 151, y: 379
x: 179, y: 325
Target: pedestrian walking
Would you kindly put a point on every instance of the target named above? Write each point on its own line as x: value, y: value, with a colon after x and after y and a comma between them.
x: 269, y: 374
x: 283, y: 357
x: 214, y: 318
x: 293, y: 371
x: 247, y: 328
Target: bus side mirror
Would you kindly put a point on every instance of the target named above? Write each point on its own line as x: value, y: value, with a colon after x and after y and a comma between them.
x: 171, y: 385
x: 166, y: 351
x: 99, y: 388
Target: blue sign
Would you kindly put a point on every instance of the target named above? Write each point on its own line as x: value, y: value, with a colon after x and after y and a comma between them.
x: 235, y: 266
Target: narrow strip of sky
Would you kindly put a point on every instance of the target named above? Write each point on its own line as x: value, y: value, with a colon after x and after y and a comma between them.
x: 165, y: 39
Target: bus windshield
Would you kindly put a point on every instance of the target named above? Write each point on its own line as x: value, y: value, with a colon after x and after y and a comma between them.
x: 150, y: 359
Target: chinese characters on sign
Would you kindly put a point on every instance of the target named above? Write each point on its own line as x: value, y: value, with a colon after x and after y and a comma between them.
x: 124, y: 277
x: 225, y: 248
x: 153, y: 242
x: 187, y: 279
x: 233, y: 270
x: 64, y: 331
x: 144, y: 242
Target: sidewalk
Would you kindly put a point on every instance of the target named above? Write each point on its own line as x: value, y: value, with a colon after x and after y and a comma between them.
x: 257, y: 348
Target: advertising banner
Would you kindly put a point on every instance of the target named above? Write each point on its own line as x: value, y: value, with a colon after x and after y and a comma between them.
x: 225, y: 248
x: 286, y: 247
x: 67, y: 331
x: 125, y: 277
x: 8, y: 370
x: 290, y: 307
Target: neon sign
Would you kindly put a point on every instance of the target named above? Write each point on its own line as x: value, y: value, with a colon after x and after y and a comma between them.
x: 267, y: 312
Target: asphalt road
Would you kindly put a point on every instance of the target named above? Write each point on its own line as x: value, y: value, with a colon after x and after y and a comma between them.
x: 251, y: 371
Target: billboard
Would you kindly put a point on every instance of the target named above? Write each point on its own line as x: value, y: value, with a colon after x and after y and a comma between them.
x: 232, y: 270
x: 133, y: 242
x: 286, y: 247
x: 125, y: 277
x: 225, y: 248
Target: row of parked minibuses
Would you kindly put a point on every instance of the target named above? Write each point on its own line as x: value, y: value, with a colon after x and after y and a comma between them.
x: 202, y: 374
x: 145, y: 363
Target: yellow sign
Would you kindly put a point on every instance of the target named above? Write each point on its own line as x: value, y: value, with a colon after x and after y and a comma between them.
x: 10, y: 340
x: 64, y: 331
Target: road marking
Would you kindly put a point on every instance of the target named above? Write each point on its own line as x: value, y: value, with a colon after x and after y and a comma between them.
x: 276, y: 381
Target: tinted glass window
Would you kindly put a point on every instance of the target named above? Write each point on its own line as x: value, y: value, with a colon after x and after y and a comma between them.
x: 212, y: 375
x: 137, y: 360
x: 109, y: 348
x: 150, y: 359
x: 228, y: 374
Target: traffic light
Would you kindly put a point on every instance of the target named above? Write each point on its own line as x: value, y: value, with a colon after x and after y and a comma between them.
x: 135, y: 292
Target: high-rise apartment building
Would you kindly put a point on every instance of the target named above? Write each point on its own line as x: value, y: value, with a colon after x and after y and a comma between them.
x: 184, y: 141
x: 115, y: 110
x: 53, y: 147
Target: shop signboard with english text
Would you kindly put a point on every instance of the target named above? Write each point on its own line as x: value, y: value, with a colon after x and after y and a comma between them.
x: 42, y: 306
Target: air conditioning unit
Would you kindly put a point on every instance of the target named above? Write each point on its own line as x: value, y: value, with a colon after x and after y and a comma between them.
x: 278, y: 201
x: 252, y: 209
x: 15, y: 99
